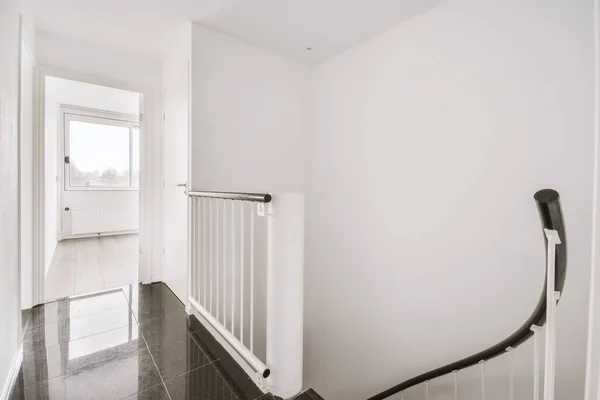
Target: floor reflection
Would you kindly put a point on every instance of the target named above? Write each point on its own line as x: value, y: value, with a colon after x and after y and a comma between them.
x: 135, y: 341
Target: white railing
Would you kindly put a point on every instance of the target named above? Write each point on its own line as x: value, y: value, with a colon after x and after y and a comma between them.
x: 552, y: 297
x: 246, y: 281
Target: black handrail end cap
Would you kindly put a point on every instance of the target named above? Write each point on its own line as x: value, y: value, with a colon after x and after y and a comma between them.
x: 545, y: 196
x: 268, y: 198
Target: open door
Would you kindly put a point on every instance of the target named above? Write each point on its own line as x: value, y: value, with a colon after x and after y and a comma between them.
x: 176, y: 136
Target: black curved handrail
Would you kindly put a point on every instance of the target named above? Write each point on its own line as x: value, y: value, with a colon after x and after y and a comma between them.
x: 548, y: 204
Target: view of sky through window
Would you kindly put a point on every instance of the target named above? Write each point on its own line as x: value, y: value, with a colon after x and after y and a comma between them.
x: 100, y: 155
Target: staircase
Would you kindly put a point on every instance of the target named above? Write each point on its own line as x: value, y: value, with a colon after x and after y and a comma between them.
x: 541, y: 322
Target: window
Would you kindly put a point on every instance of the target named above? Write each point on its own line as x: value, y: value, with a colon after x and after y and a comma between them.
x: 101, y: 153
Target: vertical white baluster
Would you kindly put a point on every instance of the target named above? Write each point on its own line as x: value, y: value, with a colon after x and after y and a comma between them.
x: 252, y: 212
x: 194, y: 250
x: 482, y: 364
x: 233, y: 267
x: 551, y: 297
x: 536, y: 361
x: 190, y: 255
x: 511, y: 379
x: 242, y: 272
x: 427, y: 390
x: 217, y: 265
x: 225, y: 263
x: 200, y: 250
x: 401, y: 395
x: 455, y: 373
x: 205, y: 253
x: 198, y: 244
x: 210, y: 256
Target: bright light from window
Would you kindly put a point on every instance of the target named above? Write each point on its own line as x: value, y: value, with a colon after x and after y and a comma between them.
x: 100, y: 155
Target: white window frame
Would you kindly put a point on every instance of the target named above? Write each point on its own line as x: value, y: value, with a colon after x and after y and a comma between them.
x: 81, y: 114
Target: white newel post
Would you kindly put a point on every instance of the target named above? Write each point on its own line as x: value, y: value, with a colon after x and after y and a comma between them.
x: 551, y: 298
x: 285, y: 293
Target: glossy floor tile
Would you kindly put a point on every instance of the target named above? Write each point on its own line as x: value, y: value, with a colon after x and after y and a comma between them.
x: 201, y: 383
x: 25, y: 316
x: 309, y: 395
x: 172, y: 327
x: 135, y: 342
x: 55, y: 333
x: 114, y: 379
x: 46, y: 363
x: 77, y: 307
x: 152, y: 301
x: 92, y: 264
x: 158, y: 392
x: 229, y: 369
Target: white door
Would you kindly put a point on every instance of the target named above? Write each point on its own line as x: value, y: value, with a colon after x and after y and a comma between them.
x: 176, y: 133
x: 26, y: 175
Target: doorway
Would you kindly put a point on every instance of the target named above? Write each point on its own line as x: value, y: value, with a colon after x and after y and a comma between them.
x: 92, y: 178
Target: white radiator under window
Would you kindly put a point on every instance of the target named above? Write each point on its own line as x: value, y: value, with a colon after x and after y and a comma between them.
x: 100, y: 219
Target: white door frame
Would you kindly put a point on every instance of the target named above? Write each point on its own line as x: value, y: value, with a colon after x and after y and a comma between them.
x: 25, y: 45
x: 22, y: 40
x: 145, y: 229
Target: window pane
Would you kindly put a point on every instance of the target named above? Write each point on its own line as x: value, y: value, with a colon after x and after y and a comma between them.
x: 135, y: 155
x: 99, y: 155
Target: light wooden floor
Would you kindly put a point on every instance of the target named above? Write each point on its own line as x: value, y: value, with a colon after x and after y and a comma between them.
x: 88, y: 265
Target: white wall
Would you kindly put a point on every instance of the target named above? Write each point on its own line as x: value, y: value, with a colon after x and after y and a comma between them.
x: 593, y: 361
x: 51, y: 184
x: 26, y: 211
x: 73, y: 55
x: 248, y: 116
x: 9, y: 118
x: 83, y: 94
x: 66, y: 92
x: 248, y: 133
x: 175, y: 63
x: 428, y: 143
x: 67, y: 58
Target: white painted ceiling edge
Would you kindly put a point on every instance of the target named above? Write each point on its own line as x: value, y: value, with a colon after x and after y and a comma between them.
x: 286, y: 28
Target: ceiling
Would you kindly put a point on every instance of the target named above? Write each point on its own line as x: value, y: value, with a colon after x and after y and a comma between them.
x: 285, y: 27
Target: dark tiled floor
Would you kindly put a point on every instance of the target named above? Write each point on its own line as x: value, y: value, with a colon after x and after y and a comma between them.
x: 130, y: 343
x: 25, y: 315
x: 309, y: 395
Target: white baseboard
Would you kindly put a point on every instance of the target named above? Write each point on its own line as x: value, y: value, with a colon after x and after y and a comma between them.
x: 100, y: 234
x: 12, y: 374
